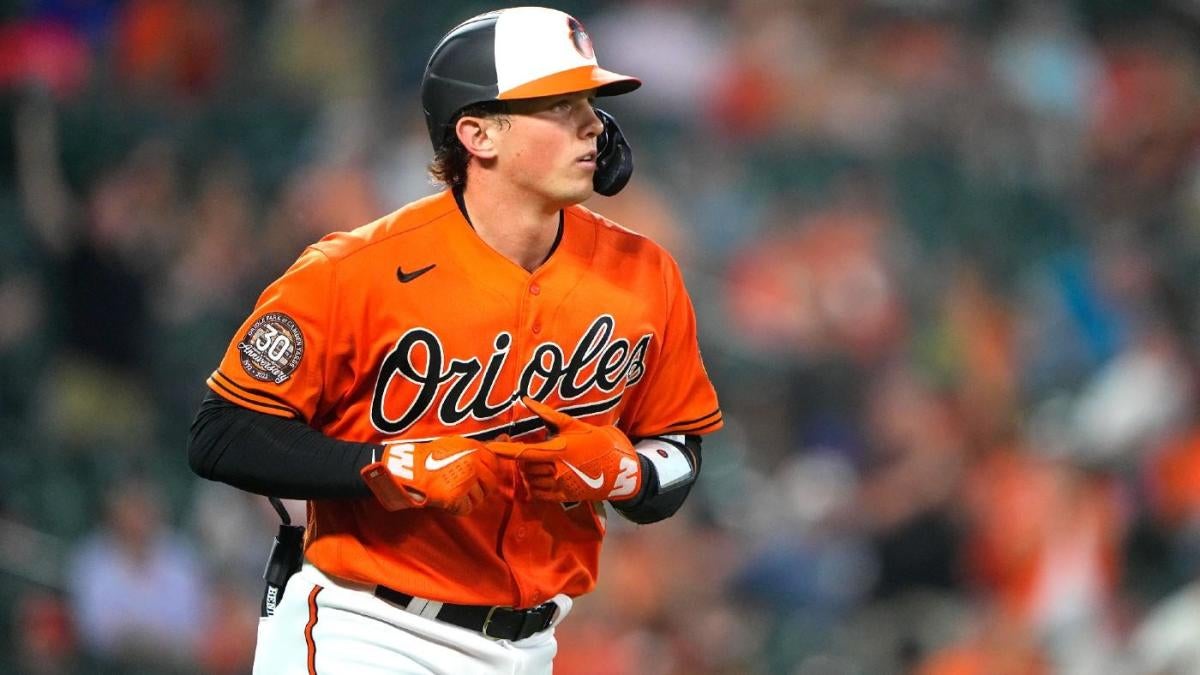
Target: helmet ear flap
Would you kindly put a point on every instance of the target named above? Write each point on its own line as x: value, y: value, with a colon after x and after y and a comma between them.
x: 614, y: 158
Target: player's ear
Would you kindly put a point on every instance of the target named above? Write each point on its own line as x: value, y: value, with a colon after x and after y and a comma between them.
x: 476, y: 135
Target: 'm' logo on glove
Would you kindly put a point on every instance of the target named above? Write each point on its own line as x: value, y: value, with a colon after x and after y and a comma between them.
x: 447, y: 473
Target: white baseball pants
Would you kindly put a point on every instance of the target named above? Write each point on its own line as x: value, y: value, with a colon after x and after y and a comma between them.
x: 336, y: 627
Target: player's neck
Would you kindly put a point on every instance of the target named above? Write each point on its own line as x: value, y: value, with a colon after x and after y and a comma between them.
x: 517, y: 227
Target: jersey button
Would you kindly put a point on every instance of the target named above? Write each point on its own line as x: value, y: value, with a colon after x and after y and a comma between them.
x: 536, y: 328
x: 535, y: 289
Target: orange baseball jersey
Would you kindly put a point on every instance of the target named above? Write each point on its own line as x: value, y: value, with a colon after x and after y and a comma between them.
x: 412, y: 327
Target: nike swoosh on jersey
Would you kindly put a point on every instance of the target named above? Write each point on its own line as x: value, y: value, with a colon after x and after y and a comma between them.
x: 593, y: 483
x: 406, y: 277
x: 432, y: 464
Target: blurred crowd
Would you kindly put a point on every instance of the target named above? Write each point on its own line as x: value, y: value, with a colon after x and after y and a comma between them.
x: 943, y: 253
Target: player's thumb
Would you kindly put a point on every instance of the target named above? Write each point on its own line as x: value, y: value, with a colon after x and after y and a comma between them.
x: 548, y: 449
x: 557, y: 421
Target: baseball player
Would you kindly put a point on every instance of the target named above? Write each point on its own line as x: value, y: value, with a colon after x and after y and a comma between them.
x: 459, y: 387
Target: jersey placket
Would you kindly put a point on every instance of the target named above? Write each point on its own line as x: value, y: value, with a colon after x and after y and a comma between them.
x: 527, y: 335
x: 535, y: 297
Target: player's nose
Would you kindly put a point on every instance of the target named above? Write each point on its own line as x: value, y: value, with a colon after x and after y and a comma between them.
x: 593, y: 125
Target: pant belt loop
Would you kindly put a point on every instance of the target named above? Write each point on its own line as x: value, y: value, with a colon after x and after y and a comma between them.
x: 424, y: 608
x: 416, y: 606
x: 432, y: 609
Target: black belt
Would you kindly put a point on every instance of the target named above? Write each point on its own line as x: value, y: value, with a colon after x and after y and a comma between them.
x: 497, y: 623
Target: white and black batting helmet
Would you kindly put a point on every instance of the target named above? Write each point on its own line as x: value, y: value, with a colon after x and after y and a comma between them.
x: 522, y: 52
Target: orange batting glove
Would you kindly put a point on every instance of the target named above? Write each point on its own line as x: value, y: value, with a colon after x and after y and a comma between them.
x: 581, y: 462
x: 452, y: 473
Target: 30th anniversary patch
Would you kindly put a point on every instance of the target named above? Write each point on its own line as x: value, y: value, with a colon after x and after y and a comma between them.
x: 272, y: 348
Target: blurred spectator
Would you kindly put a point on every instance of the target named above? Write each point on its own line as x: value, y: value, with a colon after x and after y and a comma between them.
x: 316, y: 48
x: 318, y: 199
x: 102, y: 253
x: 401, y: 167
x: 43, y: 54
x: 1173, y: 474
x: 173, y: 47
x: 226, y: 645
x: 46, y: 643
x: 820, y: 285
x: 217, y: 258
x: 1045, y: 548
x: 1144, y: 129
x: 773, y: 52
x: 1051, y: 69
x: 909, y: 487
x: 138, y: 589
x: 1002, y: 646
x: 673, y: 48
x: 23, y: 304
x: 93, y: 18
x: 1165, y: 643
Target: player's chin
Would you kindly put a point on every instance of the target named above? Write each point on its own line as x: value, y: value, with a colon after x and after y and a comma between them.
x: 575, y: 183
x: 565, y: 197
x: 578, y: 190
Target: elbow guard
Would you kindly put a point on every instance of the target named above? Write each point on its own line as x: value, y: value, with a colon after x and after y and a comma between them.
x: 670, y: 465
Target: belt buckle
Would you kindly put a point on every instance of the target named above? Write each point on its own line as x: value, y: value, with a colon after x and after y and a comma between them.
x: 487, y: 620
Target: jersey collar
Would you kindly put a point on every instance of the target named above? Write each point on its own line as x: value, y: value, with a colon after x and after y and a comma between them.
x: 572, y: 248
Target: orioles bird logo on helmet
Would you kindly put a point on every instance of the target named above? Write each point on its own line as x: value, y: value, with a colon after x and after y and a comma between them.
x: 579, y: 38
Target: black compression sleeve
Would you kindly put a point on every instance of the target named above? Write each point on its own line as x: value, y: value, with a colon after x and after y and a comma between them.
x: 273, y: 456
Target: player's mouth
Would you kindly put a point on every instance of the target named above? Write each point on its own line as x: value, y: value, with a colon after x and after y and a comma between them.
x: 588, y: 161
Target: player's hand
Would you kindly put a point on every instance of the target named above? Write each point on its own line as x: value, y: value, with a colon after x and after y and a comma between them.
x: 581, y: 461
x: 451, y: 473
